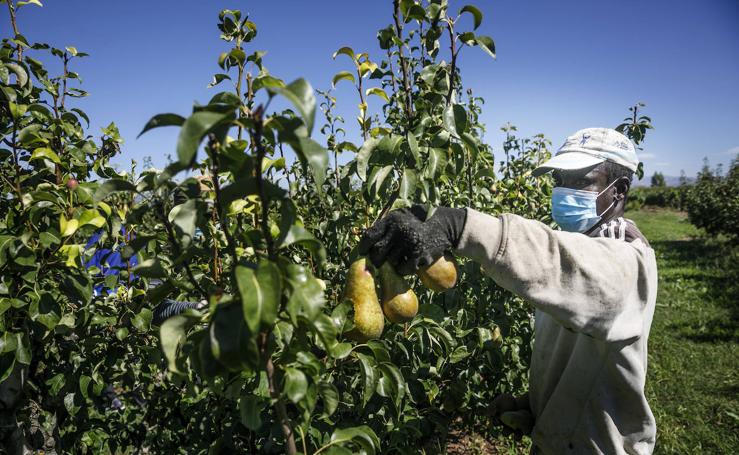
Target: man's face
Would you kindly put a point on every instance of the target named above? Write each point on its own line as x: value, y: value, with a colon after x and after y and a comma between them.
x: 593, y: 178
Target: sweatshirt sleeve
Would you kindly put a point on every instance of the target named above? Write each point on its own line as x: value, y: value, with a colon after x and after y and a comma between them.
x: 597, y: 286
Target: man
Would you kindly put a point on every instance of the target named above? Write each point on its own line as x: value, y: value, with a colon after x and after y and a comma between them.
x: 593, y: 285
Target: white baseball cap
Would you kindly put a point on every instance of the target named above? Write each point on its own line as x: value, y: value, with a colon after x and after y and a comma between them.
x: 592, y: 146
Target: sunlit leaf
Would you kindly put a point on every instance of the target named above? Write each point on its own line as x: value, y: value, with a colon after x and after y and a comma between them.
x: 173, y: 333
x: 342, y: 75
x: 476, y: 13
x: 162, y: 120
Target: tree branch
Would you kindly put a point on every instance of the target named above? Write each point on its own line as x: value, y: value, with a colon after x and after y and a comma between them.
x: 453, y: 69
x: 11, y: 12
x: 403, y: 63
x: 264, y: 200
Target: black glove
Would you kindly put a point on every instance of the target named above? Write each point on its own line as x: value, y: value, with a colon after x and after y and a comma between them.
x: 408, y: 242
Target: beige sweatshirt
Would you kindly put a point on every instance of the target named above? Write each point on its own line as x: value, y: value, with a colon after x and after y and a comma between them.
x: 594, y: 301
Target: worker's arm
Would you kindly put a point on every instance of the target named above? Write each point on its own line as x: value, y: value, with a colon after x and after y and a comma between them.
x: 596, y: 286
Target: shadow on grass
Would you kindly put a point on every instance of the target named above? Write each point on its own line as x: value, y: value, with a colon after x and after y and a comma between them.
x: 711, y: 265
x: 713, y: 331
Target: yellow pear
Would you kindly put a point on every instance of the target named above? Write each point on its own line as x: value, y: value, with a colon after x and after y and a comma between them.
x: 441, y: 275
x: 399, y: 302
x: 360, y: 289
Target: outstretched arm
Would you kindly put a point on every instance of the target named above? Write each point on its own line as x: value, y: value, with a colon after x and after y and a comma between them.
x: 596, y: 286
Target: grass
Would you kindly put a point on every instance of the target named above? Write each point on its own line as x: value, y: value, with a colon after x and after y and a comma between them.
x: 693, y: 375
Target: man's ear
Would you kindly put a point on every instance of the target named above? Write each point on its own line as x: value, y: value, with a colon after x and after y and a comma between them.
x: 622, y: 186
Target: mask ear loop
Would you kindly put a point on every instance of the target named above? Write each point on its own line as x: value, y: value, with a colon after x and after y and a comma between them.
x: 612, y: 203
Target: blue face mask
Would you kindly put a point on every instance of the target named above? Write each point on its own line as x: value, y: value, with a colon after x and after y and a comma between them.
x: 575, y: 210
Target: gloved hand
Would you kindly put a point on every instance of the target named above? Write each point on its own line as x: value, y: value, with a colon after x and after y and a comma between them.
x: 408, y: 241
x: 514, y: 413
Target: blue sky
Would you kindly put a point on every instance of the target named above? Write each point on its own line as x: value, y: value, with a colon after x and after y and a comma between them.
x: 561, y: 66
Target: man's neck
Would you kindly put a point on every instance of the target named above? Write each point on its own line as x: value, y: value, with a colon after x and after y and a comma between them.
x: 616, y: 213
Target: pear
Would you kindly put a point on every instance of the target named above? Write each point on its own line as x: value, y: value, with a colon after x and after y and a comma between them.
x: 360, y: 289
x: 399, y: 302
x: 441, y: 275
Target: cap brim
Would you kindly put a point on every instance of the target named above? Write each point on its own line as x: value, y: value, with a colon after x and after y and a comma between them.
x: 568, y: 161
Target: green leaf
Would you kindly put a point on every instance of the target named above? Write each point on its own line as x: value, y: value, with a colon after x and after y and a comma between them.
x: 311, y: 153
x: 261, y: 293
x: 296, y: 384
x: 369, y: 376
x: 346, y: 50
x: 342, y: 75
x: 29, y: 2
x: 306, y: 296
x: 251, y: 296
x: 91, y: 217
x: 232, y: 343
x: 330, y: 396
x: 459, y: 354
x: 476, y: 13
x: 217, y: 79
x: 300, y: 93
x: 413, y: 148
x: 436, y: 161
x: 326, y: 330
x: 408, y: 184
x: 20, y: 73
x: 415, y: 12
x: 267, y: 81
x: 455, y: 119
x: 378, y: 92
x: 82, y: 114
x: 394, y: 382
x: 173, y: 334
x: 23, y: 348
x: 385, y: 37
x: 8, y: 342
x: 85, y: 385
x: 487, y: 44
x: 184, y: 218
x: 67, y: 227
x: 45, y: 153
x: 377, y: 179
x: 362, y: 435
x: 162, y: 120
x: 121, y: 333
x: 194, y: 129
x: 142, y: 320
x: 150, y: 268
x: 363, y: 156
x: 471, y: 143
x: 299, y: 235
x: 112, y: 186
x: 250, y: 407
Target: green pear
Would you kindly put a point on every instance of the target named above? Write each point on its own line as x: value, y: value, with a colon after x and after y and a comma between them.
x: 360, y: 289
x: 441, y: 275
x: 399, y: 302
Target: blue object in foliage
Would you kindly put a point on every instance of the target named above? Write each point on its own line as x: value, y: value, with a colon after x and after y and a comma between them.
x: 110, y: 262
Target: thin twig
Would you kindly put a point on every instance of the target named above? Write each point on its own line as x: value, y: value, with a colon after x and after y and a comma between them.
x: 280, y: 408
x: 403, y: 63
x: 264, y: 200
x: 11, y: 11
x: 453, y: 69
